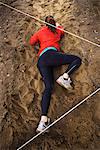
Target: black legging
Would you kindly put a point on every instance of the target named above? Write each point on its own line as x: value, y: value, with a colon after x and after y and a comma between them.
x: 46, y: 63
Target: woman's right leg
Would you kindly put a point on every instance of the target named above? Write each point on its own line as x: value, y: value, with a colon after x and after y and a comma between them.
x: 57, y: 59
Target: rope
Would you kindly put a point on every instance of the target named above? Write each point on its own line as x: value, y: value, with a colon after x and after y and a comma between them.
x: 31, y: 16
x: 65, y: 114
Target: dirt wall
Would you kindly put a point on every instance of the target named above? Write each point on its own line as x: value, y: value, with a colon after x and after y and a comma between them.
x: 21, y: 85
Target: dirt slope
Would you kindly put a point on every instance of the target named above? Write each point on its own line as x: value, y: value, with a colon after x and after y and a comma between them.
x: 21, y: 84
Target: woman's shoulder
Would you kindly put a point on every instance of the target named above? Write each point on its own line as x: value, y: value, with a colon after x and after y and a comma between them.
x: 41, y: 30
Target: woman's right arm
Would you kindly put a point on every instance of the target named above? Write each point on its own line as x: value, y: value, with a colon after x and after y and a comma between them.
x: 61, y: 31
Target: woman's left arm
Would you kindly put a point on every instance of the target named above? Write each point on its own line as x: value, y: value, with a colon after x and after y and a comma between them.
x: 34, y: 39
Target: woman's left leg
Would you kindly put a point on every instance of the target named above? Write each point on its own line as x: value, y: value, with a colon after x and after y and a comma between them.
x: 47, y: 75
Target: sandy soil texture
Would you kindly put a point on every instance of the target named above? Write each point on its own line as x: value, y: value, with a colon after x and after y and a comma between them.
x: 21, y: 85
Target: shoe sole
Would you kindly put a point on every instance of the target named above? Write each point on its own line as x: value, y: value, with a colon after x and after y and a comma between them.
x: 69, y: 88
x: 38, y: 131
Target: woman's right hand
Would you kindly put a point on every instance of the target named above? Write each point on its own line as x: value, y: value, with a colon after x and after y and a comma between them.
x: 57, y: 24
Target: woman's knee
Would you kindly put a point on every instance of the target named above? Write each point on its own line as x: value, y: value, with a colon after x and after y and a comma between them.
x: 78, y: 60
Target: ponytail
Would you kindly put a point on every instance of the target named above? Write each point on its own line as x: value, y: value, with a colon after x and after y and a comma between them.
x: 50, y: 20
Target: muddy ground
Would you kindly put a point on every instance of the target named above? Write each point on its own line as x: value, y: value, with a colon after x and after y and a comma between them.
x: 21, y: 85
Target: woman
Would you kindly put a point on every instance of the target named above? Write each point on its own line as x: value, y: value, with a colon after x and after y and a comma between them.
x: 50, y: 57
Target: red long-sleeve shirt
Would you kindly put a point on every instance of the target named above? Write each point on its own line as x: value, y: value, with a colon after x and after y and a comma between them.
x: 47, y: 38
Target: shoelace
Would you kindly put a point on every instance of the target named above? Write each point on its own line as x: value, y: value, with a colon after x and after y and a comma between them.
x: 68, y: 81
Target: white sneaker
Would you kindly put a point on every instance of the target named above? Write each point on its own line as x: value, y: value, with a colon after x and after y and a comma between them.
x: 42, y: 125
x: 65, y: 82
